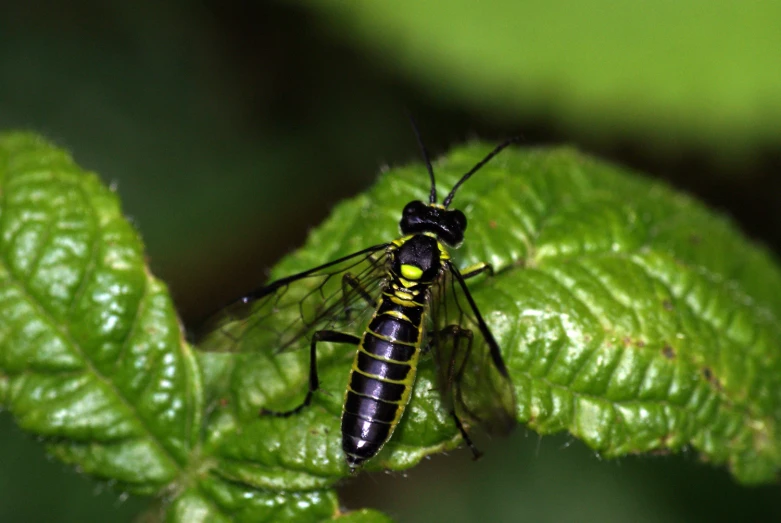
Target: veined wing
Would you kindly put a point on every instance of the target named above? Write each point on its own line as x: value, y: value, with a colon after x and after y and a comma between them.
x: 335, y: 295
x: 472, y: 376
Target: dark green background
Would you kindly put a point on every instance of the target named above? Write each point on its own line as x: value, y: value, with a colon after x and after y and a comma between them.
x: 231, y: 127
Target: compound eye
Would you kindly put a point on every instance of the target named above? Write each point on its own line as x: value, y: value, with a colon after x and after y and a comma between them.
x: 412, y: 208
x: 412, y: 217
x: 459, y: 219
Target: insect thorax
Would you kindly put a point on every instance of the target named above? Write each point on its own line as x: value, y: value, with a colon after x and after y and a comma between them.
x: 416, y: 260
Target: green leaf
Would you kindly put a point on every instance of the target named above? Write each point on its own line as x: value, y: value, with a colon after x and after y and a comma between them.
x: 689, y: 72
x: 92, y: 357
x: 92, y: 353
x: 628, y: 315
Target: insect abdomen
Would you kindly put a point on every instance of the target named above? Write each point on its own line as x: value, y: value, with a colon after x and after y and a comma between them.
x: 381, y: 379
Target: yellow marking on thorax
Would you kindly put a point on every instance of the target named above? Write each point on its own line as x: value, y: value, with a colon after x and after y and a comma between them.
x: 398, y: 242
x: 401, y: 295
x: 411, y: 273
x: 404, y: 302
x: 402, y: 298
x: 407, y: 284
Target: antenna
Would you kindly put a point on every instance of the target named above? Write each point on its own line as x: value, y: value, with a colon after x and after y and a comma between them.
x: 477, y: 167
x: 433, y: 196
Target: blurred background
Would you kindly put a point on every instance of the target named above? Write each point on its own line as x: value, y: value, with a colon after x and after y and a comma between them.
x: 230, y: 128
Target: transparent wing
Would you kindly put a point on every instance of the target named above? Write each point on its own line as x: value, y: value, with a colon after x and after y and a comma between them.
x: 336, y: 295
x: 471, y: 373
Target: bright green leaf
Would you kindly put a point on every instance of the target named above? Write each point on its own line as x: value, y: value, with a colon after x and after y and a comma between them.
x: 92, y: 357
x: 89, y: 341
x: 628, y: 314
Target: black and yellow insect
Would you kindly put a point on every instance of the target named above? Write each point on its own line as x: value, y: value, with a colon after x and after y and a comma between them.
x: 416, y: 293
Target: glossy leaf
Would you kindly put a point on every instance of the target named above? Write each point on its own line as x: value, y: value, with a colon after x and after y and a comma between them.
x: 91, y: 346
x: 628, y: 315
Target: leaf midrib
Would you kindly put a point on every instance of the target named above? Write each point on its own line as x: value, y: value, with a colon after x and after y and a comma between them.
x: 64, y: 331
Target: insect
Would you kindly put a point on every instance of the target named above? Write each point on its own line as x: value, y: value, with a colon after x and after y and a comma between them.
x: 411, y: 298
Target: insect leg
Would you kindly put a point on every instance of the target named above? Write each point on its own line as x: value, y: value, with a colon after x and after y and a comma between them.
x: 476, y: 454
x: 477, y: 268
x: 314, y: 381
x: 496, y: 354
x: 454, y: 373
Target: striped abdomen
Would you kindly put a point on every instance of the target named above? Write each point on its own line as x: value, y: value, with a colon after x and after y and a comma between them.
x: 382, y: 376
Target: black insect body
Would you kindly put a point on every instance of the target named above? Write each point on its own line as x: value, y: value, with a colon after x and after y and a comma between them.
x: 406, y: 281
x: 385, y: 364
